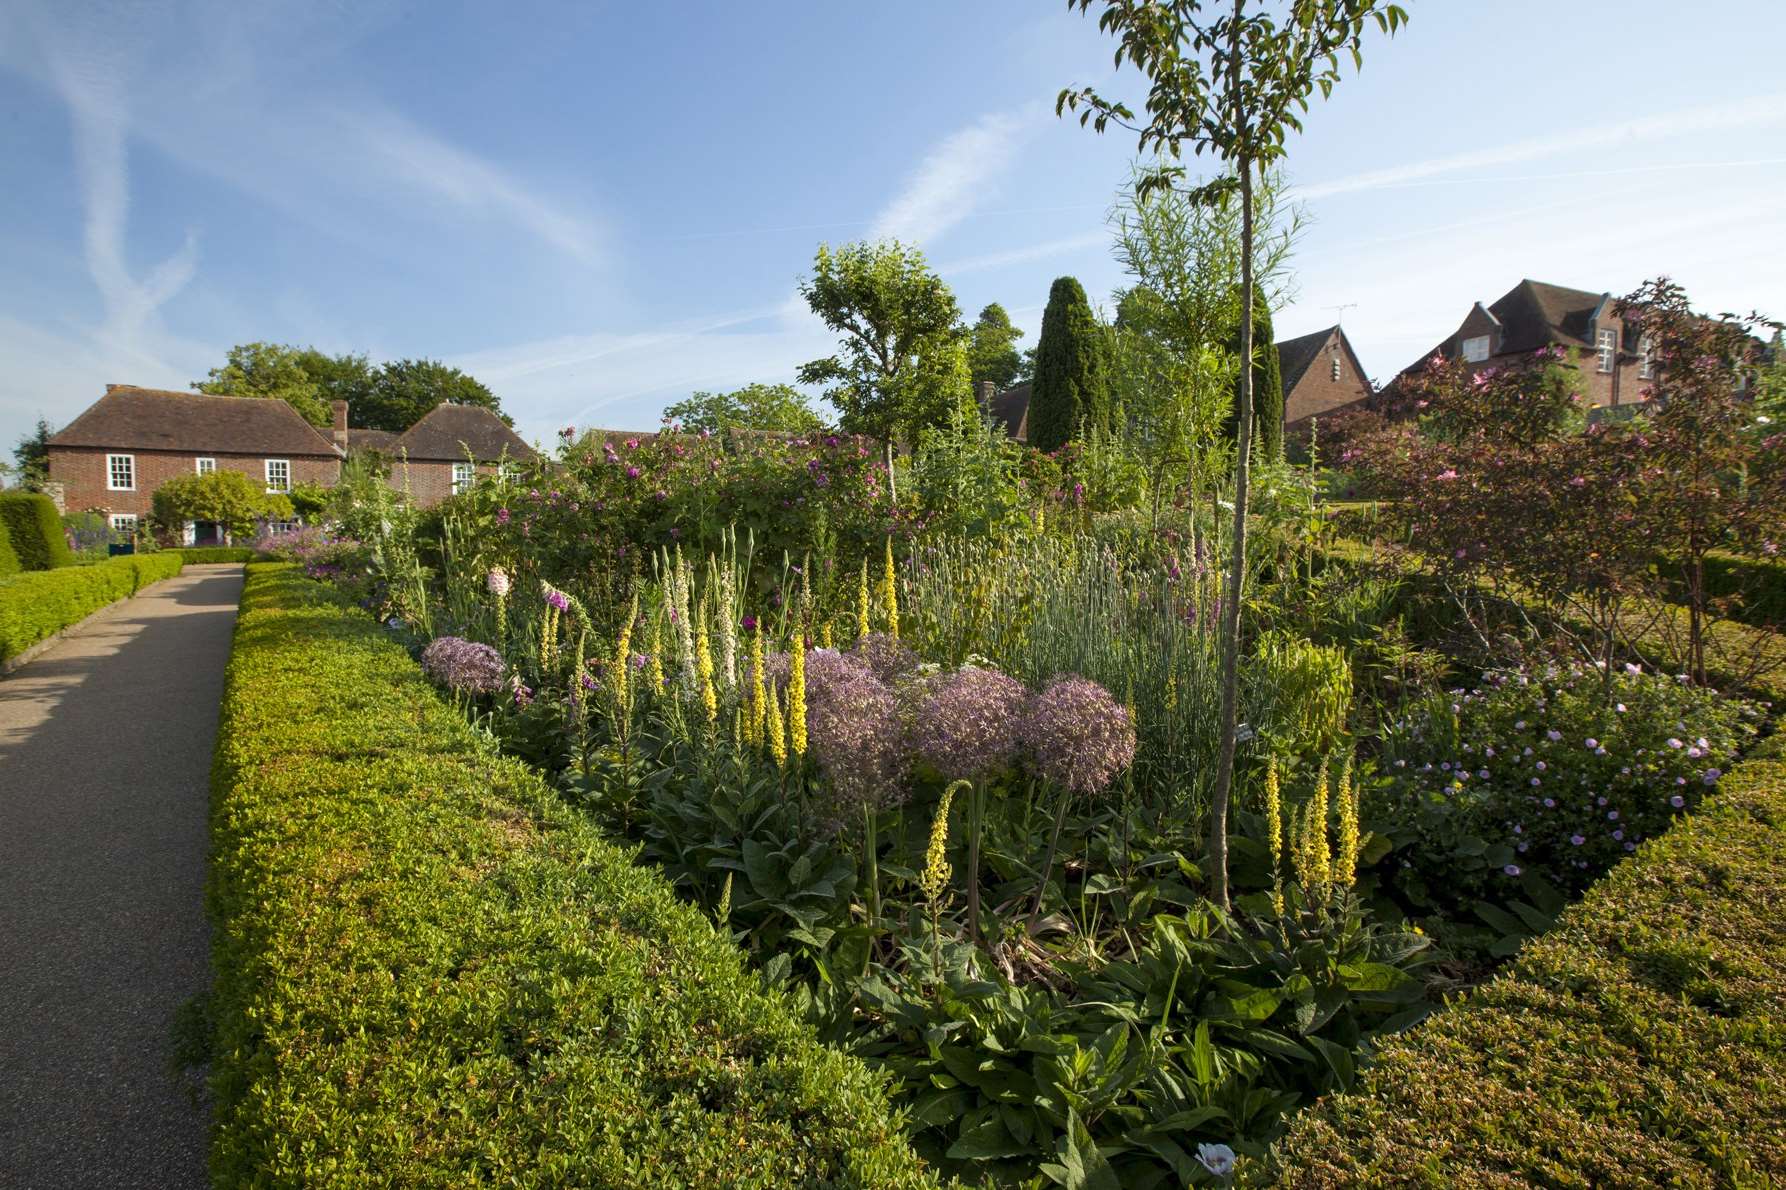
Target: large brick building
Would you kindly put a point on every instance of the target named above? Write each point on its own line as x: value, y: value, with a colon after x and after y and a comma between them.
x: 1615, y: 363
x: 444, y: 453
x: 132, y: 440
x: 1321, y: 376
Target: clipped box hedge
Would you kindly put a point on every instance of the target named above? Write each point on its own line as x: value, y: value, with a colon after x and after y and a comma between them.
x: 33, y: 528
x: 430, y: 972
x: 40, y: 603
x: 1641, y: 1043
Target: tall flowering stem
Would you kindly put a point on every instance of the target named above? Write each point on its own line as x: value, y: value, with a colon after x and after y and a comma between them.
x: 704, y: 666
x: 1346, y: 866
x: 797, y: 740
x: 755, y: 723
x: 890, y: 593
x: 1274, y: 823
x: 862, y: 602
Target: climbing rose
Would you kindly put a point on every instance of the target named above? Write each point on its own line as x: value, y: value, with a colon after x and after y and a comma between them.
x: 1078, y: 735
x: 967, y: 726
x: 464, y: 665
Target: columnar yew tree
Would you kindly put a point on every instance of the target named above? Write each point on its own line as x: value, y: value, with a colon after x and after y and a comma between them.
x: 1227, y: 80
x: 1070, y: 389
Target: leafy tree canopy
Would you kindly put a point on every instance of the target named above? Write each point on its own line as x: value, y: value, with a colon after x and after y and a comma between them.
x: 228, y: 498
x: 753, y: 407
x: 391, y: 396
x: 900, y: 363
x: 269, y: 370
x: 992, y: 349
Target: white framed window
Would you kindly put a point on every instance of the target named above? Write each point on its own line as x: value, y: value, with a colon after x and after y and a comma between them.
x: 1336, y: 366
x: 1606, y: 343
x: 124, y: 522
x: 1646, y: 364
x: 282, y: 526
x: 205, y: 466
x: 464, y: 474
x: 1475, y: 349
x: 120, y: 473
x: 278, y: 475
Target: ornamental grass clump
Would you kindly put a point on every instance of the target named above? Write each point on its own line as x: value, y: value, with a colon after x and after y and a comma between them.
x: 1079, y: 739
x: 967, y: 730
x: 464, y: 666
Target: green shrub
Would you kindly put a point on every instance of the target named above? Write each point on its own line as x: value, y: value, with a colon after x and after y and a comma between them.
x: 31, y: 522
x: 1641, y: 1043
x: 1748, y: 590
x: 37, y: 604
x: 9, y: 558
x: 196, y: 555
x: 431, y: 972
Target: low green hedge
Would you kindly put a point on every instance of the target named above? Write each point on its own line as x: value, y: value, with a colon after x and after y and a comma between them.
x: 1754, y: 587
x: 1641, y: 1043
x: 39, y: 603
x: 197, y: 555
x: 431, y: 972
x: 34, y: 527
x: 9, y: 558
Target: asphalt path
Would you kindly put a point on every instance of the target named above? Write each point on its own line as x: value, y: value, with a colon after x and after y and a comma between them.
x: 105, y: 755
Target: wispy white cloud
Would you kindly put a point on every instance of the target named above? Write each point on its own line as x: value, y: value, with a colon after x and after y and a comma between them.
x: 410, y: 156
x: 93, y: 83
x: 1044, y: 250
x: 1757, y: 114
x: 957, y: 175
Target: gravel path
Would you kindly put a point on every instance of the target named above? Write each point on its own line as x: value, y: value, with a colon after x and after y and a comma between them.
x: 105, y: 754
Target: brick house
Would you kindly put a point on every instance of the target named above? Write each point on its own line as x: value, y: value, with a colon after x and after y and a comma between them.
x: 132, y: 440
x: 1321, y: 376
x: 444, y: 453
x: 1615, y: 365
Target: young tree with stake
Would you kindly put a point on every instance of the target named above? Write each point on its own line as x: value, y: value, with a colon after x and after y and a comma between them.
x: 1229, y: 81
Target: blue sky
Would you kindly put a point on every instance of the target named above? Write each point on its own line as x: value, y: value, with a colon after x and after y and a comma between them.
x: 598, y: 208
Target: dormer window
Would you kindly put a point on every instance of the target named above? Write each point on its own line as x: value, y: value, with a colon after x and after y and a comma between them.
x: 1475, y: 349
x: 1606, y: 344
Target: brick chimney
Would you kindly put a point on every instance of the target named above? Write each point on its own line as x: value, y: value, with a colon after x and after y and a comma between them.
x: 339, y: 408
x: 988, y: 390
x: 110, y: 387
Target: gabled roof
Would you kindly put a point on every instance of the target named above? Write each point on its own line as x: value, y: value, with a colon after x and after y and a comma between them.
x: 1009, y: 410
x: 1534, y: 314
x: 379, y: 440
x: 448, y: 432
x: 132, y: 418
x: 1295, y: 355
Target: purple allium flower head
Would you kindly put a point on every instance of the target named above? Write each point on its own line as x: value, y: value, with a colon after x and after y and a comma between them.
x: 1080, y: 737
x: 967, y: 727
x: 464, y: 665
x: 558, y: 599
x: 885, y: 656
x: 852, y: 723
